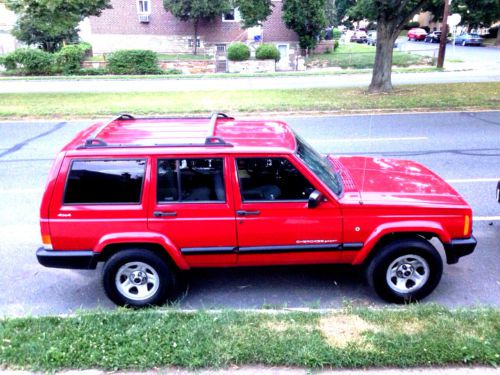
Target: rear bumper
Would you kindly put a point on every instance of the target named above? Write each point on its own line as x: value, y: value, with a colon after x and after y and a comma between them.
x: 459, y: 248
x: 81, y: 259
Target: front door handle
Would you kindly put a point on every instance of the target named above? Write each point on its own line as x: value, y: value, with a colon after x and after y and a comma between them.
x: 164, y: 213
x: 247, y: 213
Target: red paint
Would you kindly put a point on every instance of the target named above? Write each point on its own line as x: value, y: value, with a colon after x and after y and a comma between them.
x: 380, y: 196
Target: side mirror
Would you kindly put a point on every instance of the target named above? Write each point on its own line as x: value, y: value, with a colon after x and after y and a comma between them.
x: 314, y: 199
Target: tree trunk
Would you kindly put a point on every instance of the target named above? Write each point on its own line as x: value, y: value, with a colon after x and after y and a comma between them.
x: 497, y: 42
x: 381, y: 77
x: 195, y: 40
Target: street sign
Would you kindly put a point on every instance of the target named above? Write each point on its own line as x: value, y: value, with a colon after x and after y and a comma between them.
x: 454, y: 19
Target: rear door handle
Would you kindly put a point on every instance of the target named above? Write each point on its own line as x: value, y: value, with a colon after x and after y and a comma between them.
x: 164, y: 213
x: 247, y: 213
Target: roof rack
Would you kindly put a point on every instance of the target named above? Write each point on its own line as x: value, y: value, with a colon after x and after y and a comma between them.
x: 210, y: 140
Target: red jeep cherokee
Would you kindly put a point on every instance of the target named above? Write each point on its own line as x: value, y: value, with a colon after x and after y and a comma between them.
x: 154, y: 196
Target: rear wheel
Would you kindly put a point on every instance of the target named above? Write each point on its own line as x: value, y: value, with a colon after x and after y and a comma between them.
x: 405, y: 270
x: 138, y: 278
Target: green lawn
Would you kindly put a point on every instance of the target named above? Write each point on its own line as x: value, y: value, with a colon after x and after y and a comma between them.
x: 418, y: 335
x: 359, y: 56
x: 413, y: 97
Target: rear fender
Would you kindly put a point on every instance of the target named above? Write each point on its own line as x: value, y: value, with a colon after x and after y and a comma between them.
x: 407, y: 227
x: 140, y: 237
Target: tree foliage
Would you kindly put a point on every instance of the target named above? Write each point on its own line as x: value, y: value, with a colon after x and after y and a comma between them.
x: 49, y: 23
x: 254, y: 12
x: 477, y: 12
x: 306, y: 18
x: 197, y: 11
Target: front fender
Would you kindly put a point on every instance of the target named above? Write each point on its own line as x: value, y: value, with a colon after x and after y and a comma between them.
x: 400, y: 227
x: 141, y: 237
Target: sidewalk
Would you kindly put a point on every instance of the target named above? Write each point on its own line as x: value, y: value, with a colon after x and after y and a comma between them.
x: 254, y: 83
x: 261, y: 370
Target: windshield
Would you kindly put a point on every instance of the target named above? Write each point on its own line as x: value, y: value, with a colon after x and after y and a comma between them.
x: 319, y: 165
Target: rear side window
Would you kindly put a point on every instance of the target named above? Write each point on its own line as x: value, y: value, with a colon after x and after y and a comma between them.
x: 105, y: 181
x: 190, y: 180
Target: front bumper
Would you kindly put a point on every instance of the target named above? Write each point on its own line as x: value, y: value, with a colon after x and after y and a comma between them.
x: 459, y: 248
x: 81, y: 259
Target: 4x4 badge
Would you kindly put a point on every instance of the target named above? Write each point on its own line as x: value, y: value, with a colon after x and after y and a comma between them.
x: 63, y: 215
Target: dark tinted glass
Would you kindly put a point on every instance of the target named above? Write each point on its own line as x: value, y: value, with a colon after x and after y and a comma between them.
x: 195, y: 179
x: 105, y: 181
x: 269, y: 179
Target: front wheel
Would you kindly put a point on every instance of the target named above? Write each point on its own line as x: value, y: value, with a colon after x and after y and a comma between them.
x: 138, y: 278
x: 405, y: 270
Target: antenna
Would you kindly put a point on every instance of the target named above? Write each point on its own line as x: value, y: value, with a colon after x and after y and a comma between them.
x: 364, y: 166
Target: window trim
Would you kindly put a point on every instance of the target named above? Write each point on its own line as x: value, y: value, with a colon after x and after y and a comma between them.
x: 141, y: 193
x: 236, y: 13
x: 157, y: 202
x: 243, y: 201
x: 141, y: 13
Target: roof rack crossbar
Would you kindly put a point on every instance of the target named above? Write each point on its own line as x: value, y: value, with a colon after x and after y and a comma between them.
x: 89, y: 141
x: 213, y: 121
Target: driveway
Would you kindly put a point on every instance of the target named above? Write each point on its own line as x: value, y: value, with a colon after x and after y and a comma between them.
x: 462, y: 147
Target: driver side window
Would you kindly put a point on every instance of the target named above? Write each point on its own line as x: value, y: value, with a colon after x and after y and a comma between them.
x: 271, y: 179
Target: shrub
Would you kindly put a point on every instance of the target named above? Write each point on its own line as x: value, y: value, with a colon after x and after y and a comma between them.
x: 136, y: 61
x: 69, y: 59
x: 92, y: 71
x: 238, y: 52
x: 30, y: 61
x: 267, y: 52
x: 336, y: 34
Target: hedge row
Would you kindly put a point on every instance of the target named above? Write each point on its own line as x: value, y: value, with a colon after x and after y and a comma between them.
x: 68, y: 60
x: 239, y: 52
x: 31, y: 61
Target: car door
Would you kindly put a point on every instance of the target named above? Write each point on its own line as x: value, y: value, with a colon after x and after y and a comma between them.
x: 191, y: 204
x: 274, y: 223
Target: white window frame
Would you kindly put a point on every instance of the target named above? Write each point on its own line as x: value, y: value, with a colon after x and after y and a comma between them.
x: 237, y: 16
x: 138, y: 4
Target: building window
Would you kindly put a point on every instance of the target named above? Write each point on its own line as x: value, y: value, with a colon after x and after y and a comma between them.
x: 144, y: 6
x: 232, y: 16
x: 190, y: 42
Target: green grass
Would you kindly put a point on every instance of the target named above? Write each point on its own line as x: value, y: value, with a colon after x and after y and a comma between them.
x: 4, y: 76
x: 420, y: 335
x: 413, y: 97
x: 359, y: 56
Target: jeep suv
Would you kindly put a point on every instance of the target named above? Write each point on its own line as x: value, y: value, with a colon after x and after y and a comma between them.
x: 151, y: 197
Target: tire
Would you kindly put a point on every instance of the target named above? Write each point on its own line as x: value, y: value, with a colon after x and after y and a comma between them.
x: 414, y: 264
x: 464, y: 43
x: 153, y: 283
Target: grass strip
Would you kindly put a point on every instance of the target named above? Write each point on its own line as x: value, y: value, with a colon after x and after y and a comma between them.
x: 422, y: 97
x: 362, y: 56
x: 322, y: 72
x: 419, y: 335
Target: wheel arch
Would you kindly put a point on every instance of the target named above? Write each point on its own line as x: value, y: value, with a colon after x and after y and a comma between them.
x: 159, y: 244
x: 385, y: 234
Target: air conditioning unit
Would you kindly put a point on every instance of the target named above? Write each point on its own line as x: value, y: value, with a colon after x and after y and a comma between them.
x: 144, y: 18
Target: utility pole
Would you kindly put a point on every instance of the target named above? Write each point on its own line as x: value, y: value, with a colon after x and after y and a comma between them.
x: 444, y: 34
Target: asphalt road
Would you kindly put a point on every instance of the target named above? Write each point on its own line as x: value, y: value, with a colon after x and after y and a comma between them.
x: 254, y: 83
x: 474, y: 56
x: 464, y: 148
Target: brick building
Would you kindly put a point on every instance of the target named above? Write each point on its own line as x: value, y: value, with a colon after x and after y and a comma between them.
x: 146, y: 24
